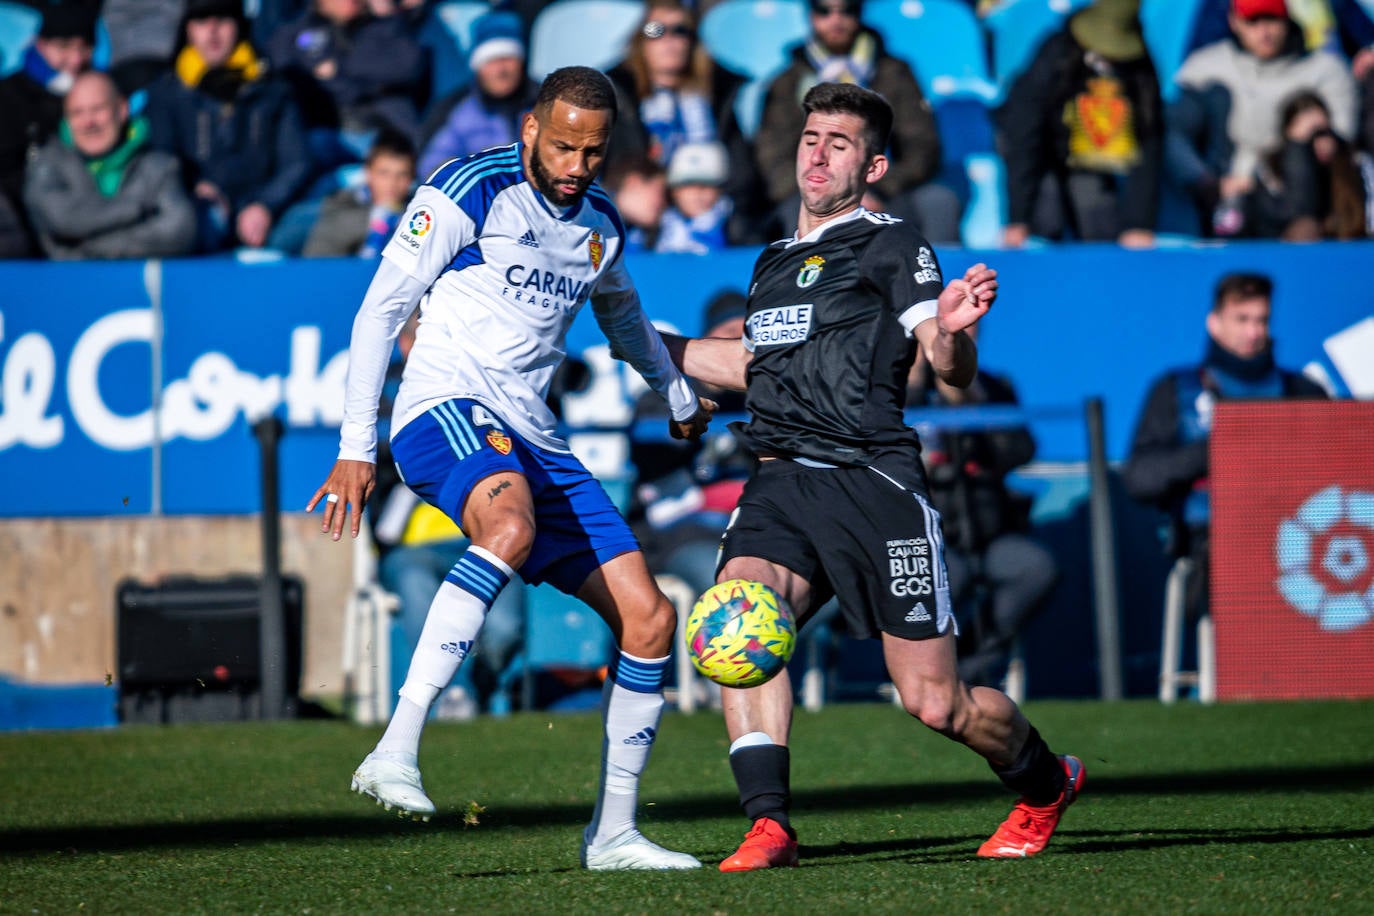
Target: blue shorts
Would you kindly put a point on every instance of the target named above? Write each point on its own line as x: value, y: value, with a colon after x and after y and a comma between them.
x: 444, y: 454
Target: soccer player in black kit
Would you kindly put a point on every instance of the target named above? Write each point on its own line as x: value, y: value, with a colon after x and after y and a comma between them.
x: 838, y: 504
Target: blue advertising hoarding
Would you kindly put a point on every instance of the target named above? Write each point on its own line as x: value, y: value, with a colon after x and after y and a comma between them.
x: 86, y: 350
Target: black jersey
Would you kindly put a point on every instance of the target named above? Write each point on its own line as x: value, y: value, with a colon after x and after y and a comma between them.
x: 830, y: 324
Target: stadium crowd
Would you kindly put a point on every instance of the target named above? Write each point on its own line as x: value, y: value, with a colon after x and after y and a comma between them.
x: 301, y: 125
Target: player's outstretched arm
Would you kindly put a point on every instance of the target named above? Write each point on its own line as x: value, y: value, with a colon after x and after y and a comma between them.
x: 694, y: 427
x: 344, y: 493
x: 719, y: 361
x: 961, y: 304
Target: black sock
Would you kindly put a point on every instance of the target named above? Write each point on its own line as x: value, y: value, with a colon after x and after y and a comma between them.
x: 1036, y: 773
x: 762, y: 775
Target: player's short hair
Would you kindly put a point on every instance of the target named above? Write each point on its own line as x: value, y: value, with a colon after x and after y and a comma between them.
x: 580, y: 87
x: 1238, y: 287
x: 390, y: 142
x: 847, y: 98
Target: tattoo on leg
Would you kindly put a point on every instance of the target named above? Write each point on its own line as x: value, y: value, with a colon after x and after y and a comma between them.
x: 492, y: 494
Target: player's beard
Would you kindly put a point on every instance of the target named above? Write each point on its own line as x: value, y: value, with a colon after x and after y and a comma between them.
x: 544, y: 182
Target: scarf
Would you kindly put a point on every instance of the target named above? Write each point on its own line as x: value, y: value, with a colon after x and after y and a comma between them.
x: 108, y: 170
x: 858, y: 66
x: 674, y: 118
x: 243, y: 66
x: 37, y: 68
x: 702, y: 234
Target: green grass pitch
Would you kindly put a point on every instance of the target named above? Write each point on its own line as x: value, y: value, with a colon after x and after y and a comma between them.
x: 1265, y: 808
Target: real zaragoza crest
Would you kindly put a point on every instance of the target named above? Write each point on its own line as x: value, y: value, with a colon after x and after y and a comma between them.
x: 810, y: 271
x: 596, y: 249
x: 499, y: 441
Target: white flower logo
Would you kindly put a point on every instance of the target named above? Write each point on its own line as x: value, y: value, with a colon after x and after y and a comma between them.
x: 1325, y: 554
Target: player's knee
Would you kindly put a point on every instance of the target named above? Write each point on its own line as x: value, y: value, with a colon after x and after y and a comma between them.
x: 935, y: 712
x: 649, y: 631
x: 510, y: 535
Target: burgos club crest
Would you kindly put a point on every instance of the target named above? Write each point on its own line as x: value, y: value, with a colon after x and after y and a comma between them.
x: 596, y: 249
x: 810, y: 271
x: 499, y: 441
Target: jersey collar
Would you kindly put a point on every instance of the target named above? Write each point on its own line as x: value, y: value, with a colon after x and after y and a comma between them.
x: 814, y: 235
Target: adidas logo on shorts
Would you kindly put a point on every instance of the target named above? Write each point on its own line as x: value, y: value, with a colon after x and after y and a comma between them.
x: 917, y: 614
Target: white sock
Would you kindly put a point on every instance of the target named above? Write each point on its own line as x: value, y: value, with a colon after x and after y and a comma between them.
x: 450, y: 632
x: 631, y: 705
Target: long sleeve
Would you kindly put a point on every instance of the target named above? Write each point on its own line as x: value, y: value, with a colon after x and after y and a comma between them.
x: 169, y: 226
x: 391, y: 297
x: 62, y: 209
x: 1020, y: 122
x: 1161, y: 470
x: 915, y: 139
x: 290, y: 158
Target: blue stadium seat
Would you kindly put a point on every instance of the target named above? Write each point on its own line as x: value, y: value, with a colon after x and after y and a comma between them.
x: 18, y: 25
x: 1018, y: 28
x: 447, y: 33
x: 590, y: 33
x: 752, y: 38
x: 941, y: 40
x: 1168, y: 26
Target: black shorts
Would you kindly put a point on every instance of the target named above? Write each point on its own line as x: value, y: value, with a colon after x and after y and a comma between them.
x: 854, y: 533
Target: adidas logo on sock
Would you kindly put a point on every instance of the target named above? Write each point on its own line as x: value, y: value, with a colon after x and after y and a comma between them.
x: 459, y: 649
x: 641, y: 738
x: 917, y: 614
x: 528, y: 239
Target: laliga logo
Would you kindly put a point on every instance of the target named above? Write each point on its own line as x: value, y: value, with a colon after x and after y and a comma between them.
x: 1325, y: 554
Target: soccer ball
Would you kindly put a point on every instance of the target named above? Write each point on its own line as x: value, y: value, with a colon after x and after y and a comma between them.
x: 740, y: 633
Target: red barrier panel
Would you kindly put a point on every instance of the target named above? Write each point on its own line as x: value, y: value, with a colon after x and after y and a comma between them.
x: 1293, y: 549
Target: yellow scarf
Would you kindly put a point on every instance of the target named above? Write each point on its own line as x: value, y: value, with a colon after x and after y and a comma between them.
x: 191, y: 68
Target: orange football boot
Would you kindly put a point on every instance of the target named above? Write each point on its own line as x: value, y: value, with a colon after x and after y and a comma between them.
x: 1027, y: 830
x: 766, y: 845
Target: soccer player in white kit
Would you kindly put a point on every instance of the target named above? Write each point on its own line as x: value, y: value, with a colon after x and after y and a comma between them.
x: 500, y: 250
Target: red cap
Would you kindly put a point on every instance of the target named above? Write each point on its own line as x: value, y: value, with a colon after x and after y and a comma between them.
x: 1255, y: 9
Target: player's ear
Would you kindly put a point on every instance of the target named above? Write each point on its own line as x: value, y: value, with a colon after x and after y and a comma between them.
x: 877, y: 168
x: 529, y: 129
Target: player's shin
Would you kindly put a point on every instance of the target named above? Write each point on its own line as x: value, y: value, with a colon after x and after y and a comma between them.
x: 631, y: 705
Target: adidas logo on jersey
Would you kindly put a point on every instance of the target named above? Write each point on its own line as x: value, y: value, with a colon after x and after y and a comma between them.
x: 528, y: 239
x: 641, y: 738
x: 917, y: 614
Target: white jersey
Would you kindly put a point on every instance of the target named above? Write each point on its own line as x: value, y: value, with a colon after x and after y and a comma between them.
x: 500, y: 274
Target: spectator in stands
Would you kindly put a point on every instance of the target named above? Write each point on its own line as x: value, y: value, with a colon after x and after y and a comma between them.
x: 31, y: 102
x: 144, y: 36
x: 1082, y: 133
x: 999, y: 575
x: 697, y: 218
x: 416, y: 544
x: 1168, y: 461
x: 670, y: 92
x: 1314, y: 186
x: 98, y: 190
x: 640, y: 191
x: 486, y: 112
x: 1226, y: 115
x: 841, y: 49
x: 360, y: 221
x: 235, y: 128
x: 353, y: 74
x: 685, y: 491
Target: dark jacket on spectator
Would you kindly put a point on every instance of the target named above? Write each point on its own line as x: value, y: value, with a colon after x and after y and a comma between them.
x: 341, y: 227
x: 147, y: 216
x: 380, y: 69
x: 1036, y: 139
x: 630, y: 143
x: 914, y: 150
x: 244, y: 137
x: 30, y: 117
x: 966, y: 471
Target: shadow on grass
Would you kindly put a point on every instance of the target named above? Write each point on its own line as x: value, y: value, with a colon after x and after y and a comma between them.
x: 210, y: 832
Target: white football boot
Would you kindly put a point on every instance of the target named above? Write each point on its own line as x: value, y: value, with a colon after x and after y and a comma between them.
x: 394, y: 785
x: 631, y: 851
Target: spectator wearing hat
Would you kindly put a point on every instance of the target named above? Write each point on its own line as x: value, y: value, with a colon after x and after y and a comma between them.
x: 842, y: 49
x: 1082, y: 133
x: 31, y: 102
x: 487, y: 112
x: 669, y: 93
x: 98, y: 190
x: 698, y: 215
x: 235, y: 128
x: 353, y: 74
x: 1231, y: 93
